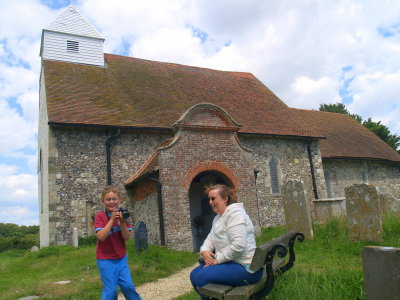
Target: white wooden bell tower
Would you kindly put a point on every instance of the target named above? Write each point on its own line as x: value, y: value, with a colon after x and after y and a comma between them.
x: 72, y: 38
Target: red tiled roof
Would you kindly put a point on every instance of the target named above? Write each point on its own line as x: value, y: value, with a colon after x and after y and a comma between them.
x: 141, y: 93
x: 132, y: 92
x: 151, y: 165
x: 345, y: 137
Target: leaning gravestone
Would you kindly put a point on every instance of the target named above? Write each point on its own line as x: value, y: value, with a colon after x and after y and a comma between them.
x: 140, y: 237
x: 381, y: 272
x: 363, y: 212
x: 297, y: 215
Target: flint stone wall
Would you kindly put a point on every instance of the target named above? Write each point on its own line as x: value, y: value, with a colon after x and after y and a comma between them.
x: 79, y: 168
x: 81, y: 173
x: 146, y: 210
x: 293, y: 163
x: 75, y: 173
x: 346, y: 172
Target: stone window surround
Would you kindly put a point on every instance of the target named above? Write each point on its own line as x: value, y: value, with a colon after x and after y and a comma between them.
x: 274, y: 175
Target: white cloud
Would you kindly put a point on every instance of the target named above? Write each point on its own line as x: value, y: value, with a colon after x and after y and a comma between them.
x: 19, y: 188
x: 227, y: 58
x: 308, y: 93
x: 16, y: 80
x: 17, y: 132
x: 8, y: 169
x: 126, y: 20
x: 19, y: 202
x: 168, y: 44
x: 29, y: 103
x: 21, y: 18
x: 19, y: 215
x: 379, y: 90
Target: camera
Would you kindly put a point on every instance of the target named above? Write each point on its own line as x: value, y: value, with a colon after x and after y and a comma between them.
x: 124, y: 213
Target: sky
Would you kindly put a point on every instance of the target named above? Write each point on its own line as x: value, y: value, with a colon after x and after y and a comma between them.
x: 308, y: 52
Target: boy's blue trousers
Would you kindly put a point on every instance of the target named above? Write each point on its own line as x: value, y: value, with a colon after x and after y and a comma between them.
x: 114, y: 272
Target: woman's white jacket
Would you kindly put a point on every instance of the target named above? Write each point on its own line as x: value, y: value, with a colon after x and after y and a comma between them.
x: 232, y: 236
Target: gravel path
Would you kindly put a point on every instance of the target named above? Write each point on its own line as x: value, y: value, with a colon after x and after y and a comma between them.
x: 166, y: 288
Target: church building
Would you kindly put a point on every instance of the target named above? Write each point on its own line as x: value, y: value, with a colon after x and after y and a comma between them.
x: 162, y: 131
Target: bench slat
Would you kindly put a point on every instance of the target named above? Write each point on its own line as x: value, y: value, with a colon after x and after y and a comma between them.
x: 244, y: 292
x: 215, y: 290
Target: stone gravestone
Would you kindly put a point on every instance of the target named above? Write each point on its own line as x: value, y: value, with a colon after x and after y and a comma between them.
x: 381, y: 272
x: 34, y: 248
x: 389, y: 204
x: 297, y: 214
x: 75, y: 237
x: 363, y: 212
x: 140, y: 237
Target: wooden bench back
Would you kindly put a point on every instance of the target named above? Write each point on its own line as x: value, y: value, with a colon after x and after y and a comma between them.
x: 261, y: 251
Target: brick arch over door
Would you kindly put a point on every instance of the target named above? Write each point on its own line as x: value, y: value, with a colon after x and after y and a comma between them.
x: 207, y: 167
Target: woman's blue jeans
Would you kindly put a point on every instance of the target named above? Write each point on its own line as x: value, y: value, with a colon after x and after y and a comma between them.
x: 229, y: 273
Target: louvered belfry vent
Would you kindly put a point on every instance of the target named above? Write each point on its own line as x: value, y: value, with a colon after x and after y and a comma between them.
x: 73, y: 46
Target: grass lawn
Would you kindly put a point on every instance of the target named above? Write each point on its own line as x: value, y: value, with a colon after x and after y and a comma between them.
x: 25, y: 274
x: 327, y: 267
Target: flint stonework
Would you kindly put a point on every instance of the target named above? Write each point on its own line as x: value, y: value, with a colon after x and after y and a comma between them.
x: 381, y: 272
x: 363, y: 212
x: 297, y: 214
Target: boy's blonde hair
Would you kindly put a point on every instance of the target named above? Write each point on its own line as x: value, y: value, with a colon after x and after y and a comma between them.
x: 108, y: 189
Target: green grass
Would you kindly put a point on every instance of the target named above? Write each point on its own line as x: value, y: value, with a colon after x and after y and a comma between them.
x: 24, y: 274
x: 327, y: 267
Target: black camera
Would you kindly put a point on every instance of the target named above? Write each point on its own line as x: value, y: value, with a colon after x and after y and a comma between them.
x: 124, y: 213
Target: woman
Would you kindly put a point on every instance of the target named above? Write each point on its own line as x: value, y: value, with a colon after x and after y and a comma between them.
x: 230, y: 245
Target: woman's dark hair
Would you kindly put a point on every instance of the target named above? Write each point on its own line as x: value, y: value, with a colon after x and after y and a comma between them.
x: 223, y: 190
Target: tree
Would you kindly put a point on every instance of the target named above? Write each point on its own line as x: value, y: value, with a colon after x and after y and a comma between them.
x: 13, y: 236
x: 393, y: 140
x: 341, y: 109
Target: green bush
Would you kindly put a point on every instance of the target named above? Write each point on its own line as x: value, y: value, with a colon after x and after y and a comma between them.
x: 23, y: 243
x: 13, y: 236
x: 11, y: 230
x: 87, y: 241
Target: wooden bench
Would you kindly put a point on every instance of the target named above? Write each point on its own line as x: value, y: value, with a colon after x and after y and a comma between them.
x: 269, y: 256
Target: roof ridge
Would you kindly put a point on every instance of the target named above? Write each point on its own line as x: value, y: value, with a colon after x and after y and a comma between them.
x: 178, y: 64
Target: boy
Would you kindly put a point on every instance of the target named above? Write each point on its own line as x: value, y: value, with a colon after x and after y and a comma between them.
x: 112, y: 232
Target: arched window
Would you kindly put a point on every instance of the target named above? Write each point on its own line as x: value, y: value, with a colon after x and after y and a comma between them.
x: 328, y: 184
x: 364, y: 177
x: 273, y: 175
x: 40, y: 179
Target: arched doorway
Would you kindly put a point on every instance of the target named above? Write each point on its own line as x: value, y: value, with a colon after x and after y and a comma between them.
x: 201, y: 214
